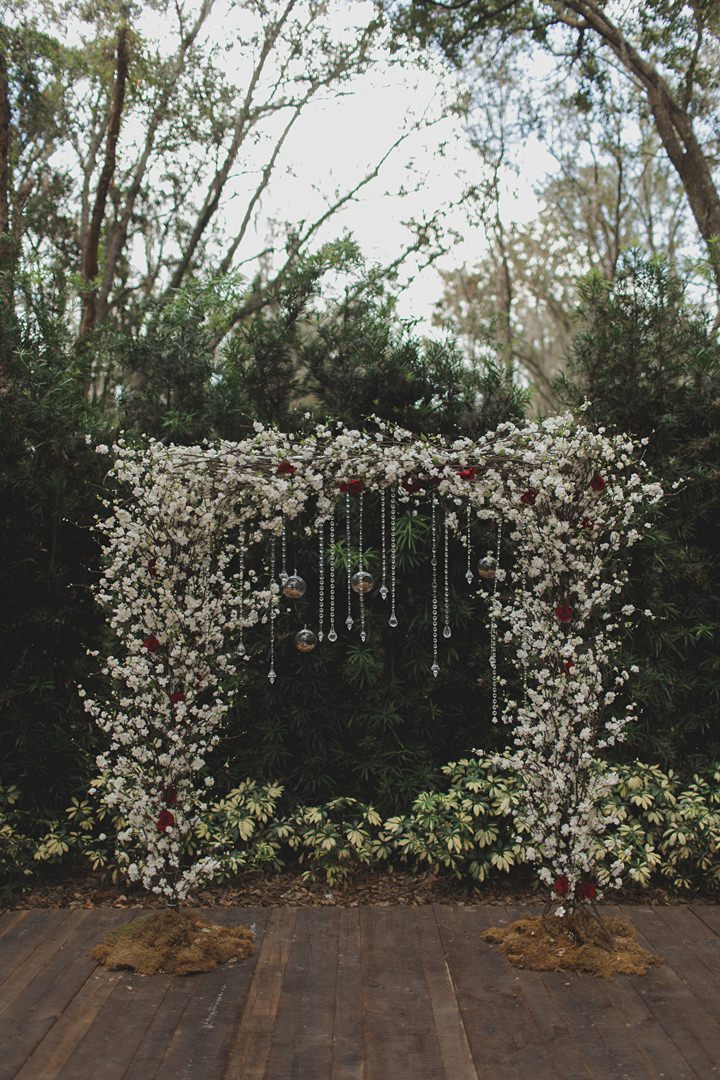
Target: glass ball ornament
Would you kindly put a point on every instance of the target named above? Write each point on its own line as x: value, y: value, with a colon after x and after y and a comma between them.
x: 294, y: 587
x: 362, y: 582
x: 305, y: 641
x: 487, y: 567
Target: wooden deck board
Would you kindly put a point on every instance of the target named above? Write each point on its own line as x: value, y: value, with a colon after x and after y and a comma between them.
x: 357, y: 994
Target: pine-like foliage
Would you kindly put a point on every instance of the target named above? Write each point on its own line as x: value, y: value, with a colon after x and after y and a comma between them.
x: 649, y: 364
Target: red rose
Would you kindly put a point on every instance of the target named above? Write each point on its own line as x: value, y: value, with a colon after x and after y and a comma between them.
x: 286, y: 468
x: 151, y: 643
x: 586, y: 891
x: 152, y: 567
x: 412, y: 485
x: 563, y: 613
x: 176, y: 696
x: 561, y: 885
x: 170, y: 797
x: 165, y: 820
x: 588, y: 523
x: 597, y: 483
x: 567, y: 667
x: 528, y: 497
x: 468, y: 474
x: 351, y: 487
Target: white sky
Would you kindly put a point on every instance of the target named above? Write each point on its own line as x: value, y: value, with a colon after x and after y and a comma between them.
x: 336, y: 139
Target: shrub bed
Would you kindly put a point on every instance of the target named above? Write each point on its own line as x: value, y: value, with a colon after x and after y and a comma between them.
x: 666, y: 830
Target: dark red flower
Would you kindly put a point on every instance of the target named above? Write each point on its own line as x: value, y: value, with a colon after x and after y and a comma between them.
x: 412, y: 485
x: 176, y: 696
x: 563, y: 613
x: 170, y: 796
x: 528, y: 497
x: 468, y: 474
x: 567, y: 667
x: 152, y: 567
x: 286, y: 468
x: 351, y: 487
x: 586, y: 891
x: 597, y: 483
x: 151, y: 643
x: 165, y: 820
x: 561, y: 885
x: 588, y: 523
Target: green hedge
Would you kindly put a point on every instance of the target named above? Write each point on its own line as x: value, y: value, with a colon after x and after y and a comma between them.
x: 667, y: 831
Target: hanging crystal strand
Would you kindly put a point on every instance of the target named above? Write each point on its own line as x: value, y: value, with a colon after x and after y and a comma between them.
x: 321, y: 581
x: 468, y: 572
x: 435, y: 667
x: 332, y: 633
x: 361, y: 594
x: 241, y: 606
x: 271, y: 672
x: 383, y: 538
x: 349, y: 621
x: 283, y: 552
x: 493, y: 628
x: 447, y: 632
x: 393, y: 556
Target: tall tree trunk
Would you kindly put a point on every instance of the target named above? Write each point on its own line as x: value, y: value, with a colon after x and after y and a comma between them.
x: 91, y: 241
x: 672, y: 121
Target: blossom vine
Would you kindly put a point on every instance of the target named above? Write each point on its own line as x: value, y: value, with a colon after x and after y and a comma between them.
x: 180, y: 592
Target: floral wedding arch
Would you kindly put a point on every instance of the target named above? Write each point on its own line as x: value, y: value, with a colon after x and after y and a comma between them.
x: 195, y: 555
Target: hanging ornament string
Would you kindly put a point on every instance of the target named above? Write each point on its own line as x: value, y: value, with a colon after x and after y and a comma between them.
x: 271, y: 672
x: 332, y: 634
x: 393, y: 556
x: 435, y: 667
x: 383, y: 543
x: 349, y: 621
x: 468, y: 572
x: 447, y: 632
x: 493, y: 627
x: 283, y: 552
x: 241, y: 601
x: 321, y: 582
x: 361, y: 590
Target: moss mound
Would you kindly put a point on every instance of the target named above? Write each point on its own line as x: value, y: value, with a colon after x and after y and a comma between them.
x: 573, y: 943
x: 180, y: 943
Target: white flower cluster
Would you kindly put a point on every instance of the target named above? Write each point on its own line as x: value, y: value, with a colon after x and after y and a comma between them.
x: 178, y: 593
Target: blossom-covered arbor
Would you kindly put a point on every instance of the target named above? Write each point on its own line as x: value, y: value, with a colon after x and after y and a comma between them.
x: 190, y: 525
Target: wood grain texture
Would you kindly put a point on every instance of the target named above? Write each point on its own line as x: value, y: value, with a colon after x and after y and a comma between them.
x: 250, y: 1049
x: 358, y: 994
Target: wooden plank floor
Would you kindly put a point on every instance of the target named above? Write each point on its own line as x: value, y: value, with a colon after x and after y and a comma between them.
x: 357, y: 994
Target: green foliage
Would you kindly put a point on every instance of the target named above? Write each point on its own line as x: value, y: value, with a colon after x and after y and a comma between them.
x: 666, y: 831
x: 48, y: 484
x: 650, y: 364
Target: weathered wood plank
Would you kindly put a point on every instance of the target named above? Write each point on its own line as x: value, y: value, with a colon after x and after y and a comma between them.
x: 348, y: 1049
x: 71, y: 1026
x: 560, y: 1044
x: 709, y: 914
x: 250, y: 1048
x: 400, y: 1037
x: 198, y: 1047
x: 686, y: 1022
x: 38, y: 928
x: 302, y: 1035
x: 452, y: 1037
x: 691, y: 948
x: 10, y: 921
x: 504, y: 1039
x: 44, y: 998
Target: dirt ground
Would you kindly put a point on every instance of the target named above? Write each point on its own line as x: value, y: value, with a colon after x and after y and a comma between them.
x: 375, y: 888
